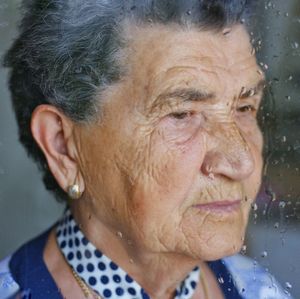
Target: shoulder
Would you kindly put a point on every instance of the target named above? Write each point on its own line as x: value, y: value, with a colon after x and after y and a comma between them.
x: 252, y: 280
x: 8, y: 286
x: 26, y: 273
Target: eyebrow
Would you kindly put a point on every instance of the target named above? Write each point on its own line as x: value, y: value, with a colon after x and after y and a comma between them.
x: 196, y: 95
x: 246, y: 93
x: 184, y: 94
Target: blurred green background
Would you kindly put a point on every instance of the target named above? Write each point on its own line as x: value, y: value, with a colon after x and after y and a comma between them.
x: 273, y: 237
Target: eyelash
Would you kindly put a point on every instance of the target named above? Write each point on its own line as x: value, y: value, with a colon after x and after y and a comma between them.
x: 181, y: 115
x: 247, y: 108
x: 187, y: 114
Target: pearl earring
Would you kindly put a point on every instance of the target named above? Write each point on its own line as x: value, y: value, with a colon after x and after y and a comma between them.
x: 74, y: 191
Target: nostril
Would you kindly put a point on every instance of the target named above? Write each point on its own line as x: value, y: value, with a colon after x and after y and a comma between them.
x: 208, y: 163
x: 206, y: 169
x: 211, y: 176
x: 211, y: 164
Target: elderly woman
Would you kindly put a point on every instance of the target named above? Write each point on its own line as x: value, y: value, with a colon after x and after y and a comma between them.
x: 142, y: 117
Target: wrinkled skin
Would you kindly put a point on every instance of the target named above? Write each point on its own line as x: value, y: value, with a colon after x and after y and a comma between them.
x: 154, y: 155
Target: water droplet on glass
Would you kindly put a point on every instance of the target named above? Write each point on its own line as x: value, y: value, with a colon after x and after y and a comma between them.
x: 282, y: 204
x: 244, y: 249
x: 264, y: 254
x: 283, y: 139
x: 276, y: 225
x: 288, y: 285
x: 288, y: 98
x: 243, y: 90
x: 264, y: 65
x: 269, y: 192
x: 251, y: 93
x: 254, y: 207
x: 131, y: 261
x: 295, y: 45
x: 259, y: 42
x: 120, y: 235
x: 189, y: 12
x: 226, y: 31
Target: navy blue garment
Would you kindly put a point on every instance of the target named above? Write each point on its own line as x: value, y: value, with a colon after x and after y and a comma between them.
x: 30, y: 272
x: 223, y: 275
x: 25, y: 272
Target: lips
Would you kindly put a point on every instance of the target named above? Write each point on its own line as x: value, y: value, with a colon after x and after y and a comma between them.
x: 222, y: 206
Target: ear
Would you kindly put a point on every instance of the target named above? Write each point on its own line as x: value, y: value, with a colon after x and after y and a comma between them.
x: 54, y: 133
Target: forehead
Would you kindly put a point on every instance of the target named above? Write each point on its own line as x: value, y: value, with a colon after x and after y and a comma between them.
x: 165, y: 56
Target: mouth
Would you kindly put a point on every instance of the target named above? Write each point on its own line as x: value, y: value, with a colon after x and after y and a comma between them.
x: 222, y: 206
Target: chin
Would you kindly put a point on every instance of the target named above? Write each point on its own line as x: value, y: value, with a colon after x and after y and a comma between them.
x: 221, y: 250
x: 211, y: 245
x: 222, y: 246
x: 216, y: 237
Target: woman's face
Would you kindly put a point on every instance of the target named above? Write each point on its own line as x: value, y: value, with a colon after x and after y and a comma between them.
x: 176, y: 161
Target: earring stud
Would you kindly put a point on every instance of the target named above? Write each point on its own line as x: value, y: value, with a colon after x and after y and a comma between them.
x: 74, y: 191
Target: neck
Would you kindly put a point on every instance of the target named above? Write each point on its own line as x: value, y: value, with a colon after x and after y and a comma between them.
x: 158, y: 274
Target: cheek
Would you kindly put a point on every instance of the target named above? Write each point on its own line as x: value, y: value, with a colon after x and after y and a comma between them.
x: 181, y: 152
x: 168, y: 171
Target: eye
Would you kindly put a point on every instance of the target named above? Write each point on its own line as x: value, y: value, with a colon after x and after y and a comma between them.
x: 181, y: 115
x: 246, y: 108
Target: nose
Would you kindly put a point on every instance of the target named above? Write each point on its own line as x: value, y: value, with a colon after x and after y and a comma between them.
x: 229, y: 156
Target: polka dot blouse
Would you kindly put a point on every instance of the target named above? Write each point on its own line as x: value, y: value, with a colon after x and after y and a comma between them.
x: 99, y: 272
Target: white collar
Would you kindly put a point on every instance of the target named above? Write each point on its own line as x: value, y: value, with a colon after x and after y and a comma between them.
x: 100, y: 273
